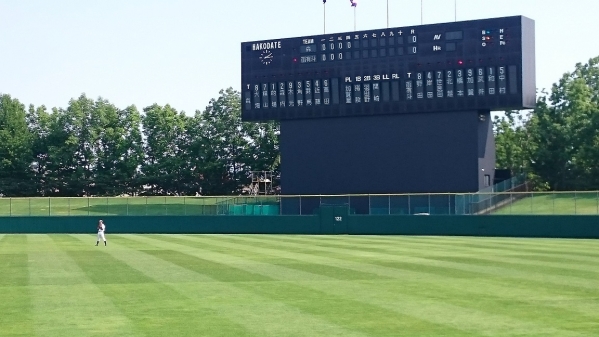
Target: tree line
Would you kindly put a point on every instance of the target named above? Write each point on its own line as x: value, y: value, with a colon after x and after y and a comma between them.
x: 557, y: 143
x: 94, y: 148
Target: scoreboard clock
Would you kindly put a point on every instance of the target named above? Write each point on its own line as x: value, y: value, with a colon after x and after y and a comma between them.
x: 460, y: 66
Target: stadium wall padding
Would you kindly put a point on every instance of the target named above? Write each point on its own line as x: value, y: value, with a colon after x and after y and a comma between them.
x: 328, y: 222
x: 164, y: 224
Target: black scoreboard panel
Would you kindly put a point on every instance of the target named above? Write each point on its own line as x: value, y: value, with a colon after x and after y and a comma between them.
x: 470, y: 65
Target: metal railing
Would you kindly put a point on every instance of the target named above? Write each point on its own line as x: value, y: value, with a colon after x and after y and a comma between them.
x: 513, y: 202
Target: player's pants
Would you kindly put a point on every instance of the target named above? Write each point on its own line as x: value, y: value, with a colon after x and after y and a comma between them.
x: 101, y: 236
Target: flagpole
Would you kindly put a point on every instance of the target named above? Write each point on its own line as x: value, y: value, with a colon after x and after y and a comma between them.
x: 354, y: 18
x: 455, y: 10
x: 354, y: 4
x: 324, y: 20
x: 387, y: 13
x: 421, y: 9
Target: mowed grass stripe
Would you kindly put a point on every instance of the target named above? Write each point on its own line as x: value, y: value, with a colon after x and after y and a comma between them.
x: 222, y: 313
x: 510, y: 245
x: 535, y: 242
x: 495, y: 256
x: 13, y: 261
x: 486, y: 270
x: 564, y: 245
x: 571, y: 260
x: 574, y: 252
x: 441, y: 244
x: 268, y: 313
x: 260, y: 316
x: 337, y: 308
x: 16, y: 312
x: 220, y: 245
x: 507, y: 249
x: 553, y: 268
x: 154, y: 308
x: 65, y: 301
x: 444, y: 287
x: 544, y: 245
x: 582, y: 301
x: 430, y: 310
x: 255, y: 270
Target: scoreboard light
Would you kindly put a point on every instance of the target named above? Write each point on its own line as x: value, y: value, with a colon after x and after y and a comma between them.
x: 457, y: 66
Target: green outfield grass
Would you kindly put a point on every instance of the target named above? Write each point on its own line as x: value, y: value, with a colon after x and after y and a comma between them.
x: 559, y: 203
x: 261, y: 285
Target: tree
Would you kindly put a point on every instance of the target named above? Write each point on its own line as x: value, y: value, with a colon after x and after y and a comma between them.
x: 511, y: 141
x: 119, y: 149
x: 71, y: 153
x: 264, y: 152
x: 218, y: 144
x: 165, y: 166
x: 39, y: 123
x: 564, y: 131
x: 224, y: 150
x: 15, y: 149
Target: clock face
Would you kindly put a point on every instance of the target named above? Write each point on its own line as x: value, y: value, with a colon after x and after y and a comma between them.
x: 266, y: 57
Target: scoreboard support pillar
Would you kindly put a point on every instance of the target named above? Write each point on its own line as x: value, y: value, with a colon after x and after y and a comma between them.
x: 450, y: 152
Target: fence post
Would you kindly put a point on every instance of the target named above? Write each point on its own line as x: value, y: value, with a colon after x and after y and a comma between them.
x: 146, y: 205
x: 49, y: 205
x: 127, y: 205
x: 29, y: 206
x: 165, y: 207
x: 184, y: 206
x: 349, y: 202
x: 10, y: 206
x: 429, y: 204
x: 574, y: 202
x: 69, y: 206
x: 300, y: 205
x: 87, y: 206
x: 553, y: 202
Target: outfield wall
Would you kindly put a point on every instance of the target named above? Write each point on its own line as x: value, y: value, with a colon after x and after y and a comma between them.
x: 327, y: 222
x: 164, y: 224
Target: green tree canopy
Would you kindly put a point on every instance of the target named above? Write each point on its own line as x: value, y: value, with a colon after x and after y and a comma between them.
x: 16, y: 154
x: 558, y: 142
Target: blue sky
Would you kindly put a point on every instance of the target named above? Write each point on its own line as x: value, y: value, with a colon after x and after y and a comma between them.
x: 182, y: 52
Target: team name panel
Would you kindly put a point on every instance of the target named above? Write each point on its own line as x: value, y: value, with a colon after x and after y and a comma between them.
x: 471, y: 65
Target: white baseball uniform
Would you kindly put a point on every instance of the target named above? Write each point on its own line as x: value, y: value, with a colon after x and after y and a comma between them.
x: 101, y: 233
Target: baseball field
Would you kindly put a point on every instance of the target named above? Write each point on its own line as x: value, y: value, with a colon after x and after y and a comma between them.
x: 262, y: 285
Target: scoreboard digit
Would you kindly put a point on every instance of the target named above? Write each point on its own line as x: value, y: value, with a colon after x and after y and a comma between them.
x: 471, y: 65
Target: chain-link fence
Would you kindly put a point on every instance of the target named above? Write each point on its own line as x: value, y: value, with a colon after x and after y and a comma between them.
x: 517, y: 201
x: 130, y: 206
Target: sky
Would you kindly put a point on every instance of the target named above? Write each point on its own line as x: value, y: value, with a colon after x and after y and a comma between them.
x: 183, y: 52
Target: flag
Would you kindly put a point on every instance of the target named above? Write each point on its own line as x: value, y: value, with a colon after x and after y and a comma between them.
x: 324, y: 1
x: 354, y: 3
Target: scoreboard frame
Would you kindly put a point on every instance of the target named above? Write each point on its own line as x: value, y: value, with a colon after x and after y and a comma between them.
x: 483, y: 65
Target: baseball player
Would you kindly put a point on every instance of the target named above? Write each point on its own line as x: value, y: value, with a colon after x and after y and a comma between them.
x: 101, y: 229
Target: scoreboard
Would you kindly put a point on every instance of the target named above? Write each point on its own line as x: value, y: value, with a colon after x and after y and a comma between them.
x: 459, y: 66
